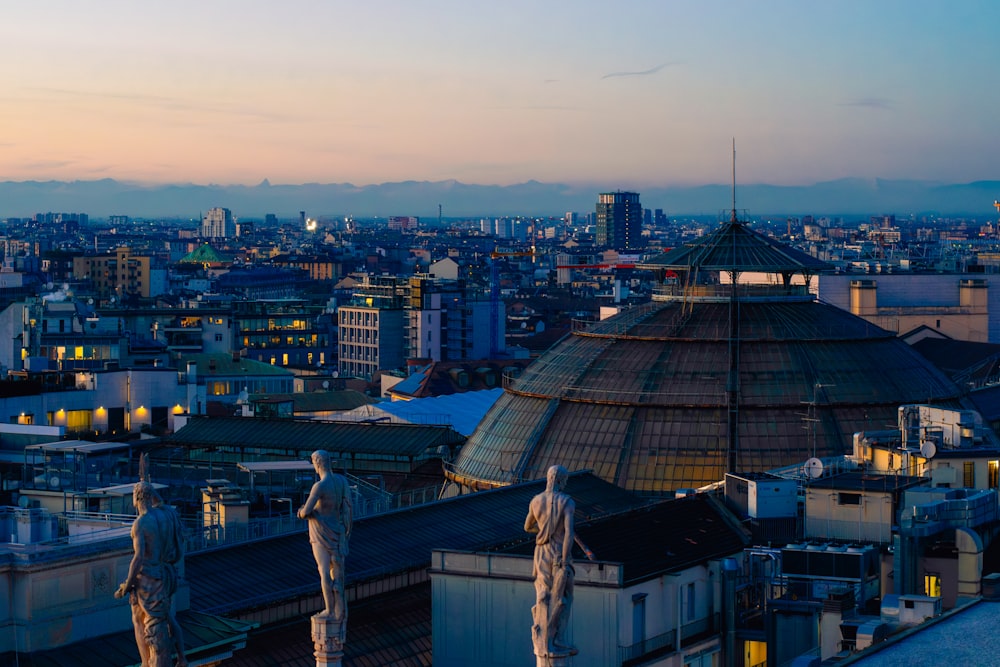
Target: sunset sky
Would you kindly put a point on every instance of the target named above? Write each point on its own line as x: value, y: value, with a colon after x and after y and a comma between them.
x: 612, y: 94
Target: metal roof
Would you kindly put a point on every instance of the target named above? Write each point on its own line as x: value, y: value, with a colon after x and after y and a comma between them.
x: 79, y: 446
x: 735, y: 247
x: 317, y: 401
x: 463, y: 411
x: 306, y: 436
x: 273, y: 466
x: 282, y: 568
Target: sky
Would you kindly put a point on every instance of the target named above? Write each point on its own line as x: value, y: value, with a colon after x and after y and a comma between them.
x: 615, y: 95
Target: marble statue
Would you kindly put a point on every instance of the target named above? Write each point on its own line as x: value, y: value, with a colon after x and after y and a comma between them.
x: 157, y: 540
x: 550, y: 517
x: 328, y: 510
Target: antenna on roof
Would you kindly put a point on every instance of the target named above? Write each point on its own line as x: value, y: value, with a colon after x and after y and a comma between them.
x: 734, y: 180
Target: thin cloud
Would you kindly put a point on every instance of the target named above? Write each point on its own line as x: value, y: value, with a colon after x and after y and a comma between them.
x: 869, y: 103
x: 645, y: 72
x: 169, y: 103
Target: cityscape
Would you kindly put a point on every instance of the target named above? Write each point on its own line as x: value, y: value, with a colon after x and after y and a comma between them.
x: 376, y: 335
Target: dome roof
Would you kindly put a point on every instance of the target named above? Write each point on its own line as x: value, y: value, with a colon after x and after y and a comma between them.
x: 704, y: 380
x: 735, y: 247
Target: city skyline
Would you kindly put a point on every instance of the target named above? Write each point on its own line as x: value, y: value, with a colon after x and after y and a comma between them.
x: 648, y: 94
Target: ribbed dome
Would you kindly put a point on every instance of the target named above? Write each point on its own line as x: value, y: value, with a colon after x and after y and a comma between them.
x: 674, y: 393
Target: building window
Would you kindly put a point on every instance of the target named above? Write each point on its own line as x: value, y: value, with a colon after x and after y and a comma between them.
x: 638, y: 618
x: 218, y: 338
x: 932, y: 585
x: 993, y: 473
x: 969, y: 476
x: 848, y: 498
x: 690, y: 601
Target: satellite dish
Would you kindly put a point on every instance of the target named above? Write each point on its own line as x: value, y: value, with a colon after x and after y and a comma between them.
x: 24, y: 502
x: 928, y: 449
x: 813, y: 468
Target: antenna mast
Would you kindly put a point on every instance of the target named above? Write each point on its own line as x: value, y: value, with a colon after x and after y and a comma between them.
x: 734, y: 180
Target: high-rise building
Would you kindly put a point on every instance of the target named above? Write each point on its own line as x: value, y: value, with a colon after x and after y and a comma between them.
x: 393, y: 319
x: 404, y: 223
x: 218, y: 223
x: 619, y: 220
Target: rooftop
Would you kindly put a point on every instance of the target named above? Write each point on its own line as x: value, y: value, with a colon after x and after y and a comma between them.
x: 668, y: 536
x: 389, y: 543
x: 306, y: 436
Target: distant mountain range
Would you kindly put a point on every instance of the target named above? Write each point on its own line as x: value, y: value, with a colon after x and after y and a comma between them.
x: 833, y: 198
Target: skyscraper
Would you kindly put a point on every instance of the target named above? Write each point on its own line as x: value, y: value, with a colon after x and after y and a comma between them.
x: 619, y: 220
x: 218, y: 223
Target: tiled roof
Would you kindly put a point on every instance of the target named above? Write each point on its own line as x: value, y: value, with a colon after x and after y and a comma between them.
x: 389, y: 629
x: 283, y: 568
x: 665, y: 537
x: 956, y: 356
x: 205, y: 638
x: 306, y: 436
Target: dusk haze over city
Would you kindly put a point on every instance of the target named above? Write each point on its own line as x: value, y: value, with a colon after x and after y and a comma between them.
x: 639, y: 94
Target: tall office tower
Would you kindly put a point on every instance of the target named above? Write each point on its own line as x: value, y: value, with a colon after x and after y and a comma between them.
x: 619, y: 220
x: 218, y: 223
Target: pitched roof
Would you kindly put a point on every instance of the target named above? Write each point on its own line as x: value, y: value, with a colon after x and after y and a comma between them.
x: 206, y: 639
x: 454, y: 377
x: 209, y: 364
x: 389, y: 629
x: 384, y: 544
x: 668, y: 536
x: 307, y: 436
x: 318, y: 401
x: 734, y: 246
x: 206, y: 254
x: 959, y: 357
x: 463, y: 412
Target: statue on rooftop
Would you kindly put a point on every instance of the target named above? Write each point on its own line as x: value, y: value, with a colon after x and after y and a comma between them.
x: 329, y: 512
x: 550, y: 517
x: 157, y: 540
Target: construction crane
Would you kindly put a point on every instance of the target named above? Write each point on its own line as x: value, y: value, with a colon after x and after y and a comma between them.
x: 495, y: 296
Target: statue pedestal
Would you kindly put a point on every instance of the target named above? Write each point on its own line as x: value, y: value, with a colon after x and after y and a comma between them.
x: 328, y: 640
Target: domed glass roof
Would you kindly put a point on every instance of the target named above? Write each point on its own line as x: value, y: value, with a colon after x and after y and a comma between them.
x: 702, y: 380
